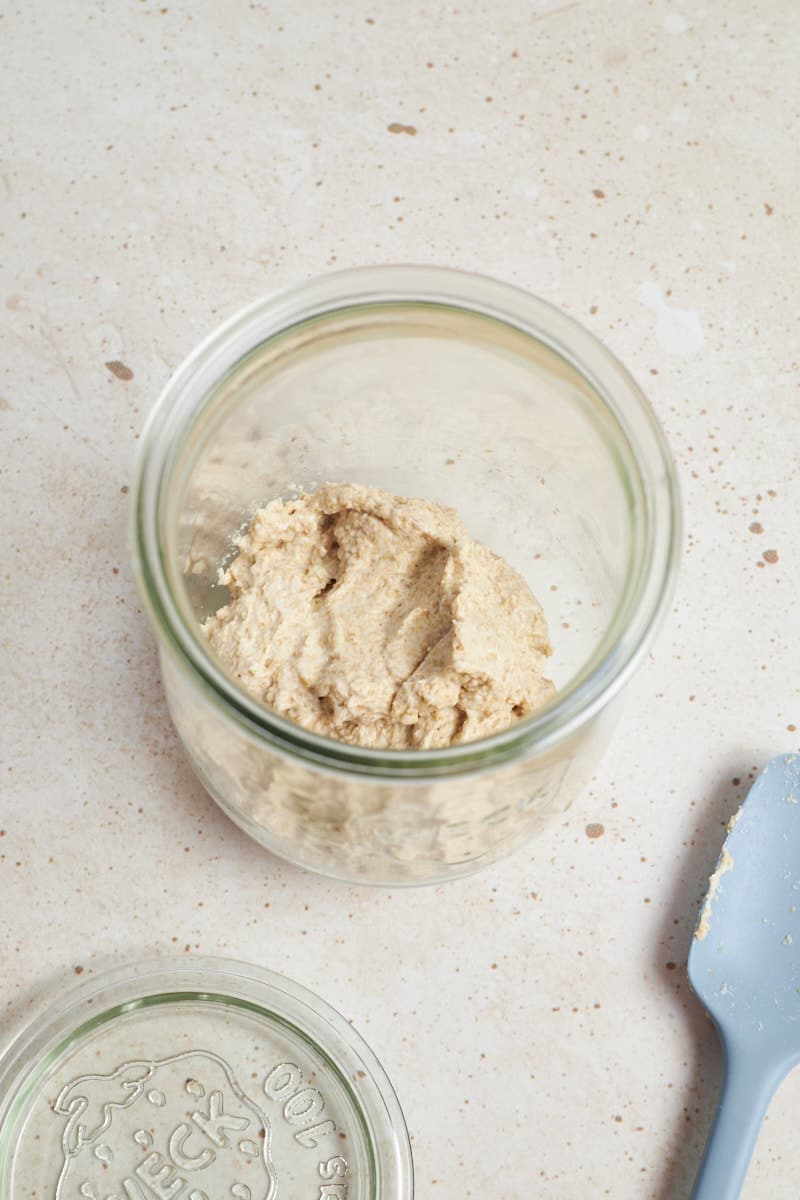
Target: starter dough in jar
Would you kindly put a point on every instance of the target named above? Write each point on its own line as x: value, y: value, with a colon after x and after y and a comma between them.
x: 377, y: 620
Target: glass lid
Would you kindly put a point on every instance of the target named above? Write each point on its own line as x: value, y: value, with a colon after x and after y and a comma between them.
x: 198, y: 1080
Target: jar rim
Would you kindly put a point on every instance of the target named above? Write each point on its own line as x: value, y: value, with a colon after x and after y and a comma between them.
x: 651, y: 577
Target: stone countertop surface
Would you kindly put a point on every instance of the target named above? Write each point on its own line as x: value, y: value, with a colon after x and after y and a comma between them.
x: 636, y: 164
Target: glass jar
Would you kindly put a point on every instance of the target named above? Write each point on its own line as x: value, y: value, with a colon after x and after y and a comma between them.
x: 424, y: 382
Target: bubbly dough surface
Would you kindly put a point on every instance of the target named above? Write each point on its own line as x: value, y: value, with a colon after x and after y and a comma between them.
x: 377, y: 620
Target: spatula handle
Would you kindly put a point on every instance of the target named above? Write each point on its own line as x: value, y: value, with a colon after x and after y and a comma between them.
x: 748, y: 1086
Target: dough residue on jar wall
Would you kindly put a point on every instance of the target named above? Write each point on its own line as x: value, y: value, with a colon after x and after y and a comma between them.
x: 377, y: 620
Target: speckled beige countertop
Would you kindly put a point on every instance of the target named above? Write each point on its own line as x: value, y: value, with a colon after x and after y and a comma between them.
x: 634, y: 163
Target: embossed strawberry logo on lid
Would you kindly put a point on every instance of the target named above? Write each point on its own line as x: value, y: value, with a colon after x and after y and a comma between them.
x: 174, y: 1127
x: 209, y: 1080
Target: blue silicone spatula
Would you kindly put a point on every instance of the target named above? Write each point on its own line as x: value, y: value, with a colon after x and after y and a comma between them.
x: 744, y: 964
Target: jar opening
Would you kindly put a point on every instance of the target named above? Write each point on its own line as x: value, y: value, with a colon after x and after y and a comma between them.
x: 380, y: 373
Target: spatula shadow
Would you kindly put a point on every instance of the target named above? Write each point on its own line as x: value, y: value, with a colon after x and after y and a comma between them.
x: 684, y: 1144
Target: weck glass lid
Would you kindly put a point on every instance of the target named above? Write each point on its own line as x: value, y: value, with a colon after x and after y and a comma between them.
x: 198, y: 1080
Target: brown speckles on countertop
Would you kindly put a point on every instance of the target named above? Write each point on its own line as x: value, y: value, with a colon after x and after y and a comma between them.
x: 595, y: 830
x: 4, y: 405
x: 120, y: 370
x: 397, y: 127
x: 770, y: 556
x: 598, y: 193
x: 756, y: 527
x: 89, y: 722
x: 78, y: 970
x: 615, y: 56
